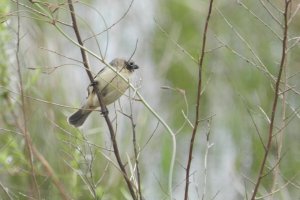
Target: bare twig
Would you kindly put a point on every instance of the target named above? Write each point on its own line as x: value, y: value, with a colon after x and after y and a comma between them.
x: 115, y: 23
x: 280, y: 135
x: 102, y: 105
x: 270, y: 13
x: 39, y: 13
x: 199, y: 88
x: 136, y: 153
x: 175, y: 42
x: 276, y: 96
x: 294, y: 14
x: 274, y: 191
x: 77, y: 138
x: 26, y: 134
x: 208, y: 146
x: 6, y: 191
x: 51, y: 173
x: 259, y: 19
x: 39, y: 100
x: 11, y: 131
x: 135, y: 48
x: 184, y: 113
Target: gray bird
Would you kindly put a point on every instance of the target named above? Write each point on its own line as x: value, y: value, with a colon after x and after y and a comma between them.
x: 111, y: 87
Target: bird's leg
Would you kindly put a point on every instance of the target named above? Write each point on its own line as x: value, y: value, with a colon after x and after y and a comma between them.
x: 93, y: 83
x: 104, y: 112
x: 91, y: 86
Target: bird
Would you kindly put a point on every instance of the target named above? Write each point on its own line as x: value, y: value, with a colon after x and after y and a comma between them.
x: 111, y: 87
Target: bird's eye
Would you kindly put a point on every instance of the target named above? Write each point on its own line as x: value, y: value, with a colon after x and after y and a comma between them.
x: 131, y: 63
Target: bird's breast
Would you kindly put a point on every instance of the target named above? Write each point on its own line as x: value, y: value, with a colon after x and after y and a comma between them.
x: 111, y: 86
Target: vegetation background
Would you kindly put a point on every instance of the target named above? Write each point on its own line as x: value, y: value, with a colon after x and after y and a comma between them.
x: 242, y: 60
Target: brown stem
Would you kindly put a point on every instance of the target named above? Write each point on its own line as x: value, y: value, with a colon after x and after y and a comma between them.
x: 199, y: 88
x: 276, y: 95
x: 26, y: 135
x: 102, y: 105
x: 51, y: 173
x: 135, y: 148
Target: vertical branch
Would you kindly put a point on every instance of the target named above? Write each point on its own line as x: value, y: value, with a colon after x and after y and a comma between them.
x: 208, y: 146
x: 26, y: 135
x: 280, y: 136
x: 276, y: 96
x: 135, y: 148
x: 102, y: 105
x: 199, y: 88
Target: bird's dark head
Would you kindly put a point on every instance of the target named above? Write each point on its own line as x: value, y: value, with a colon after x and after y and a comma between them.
x: 120, y: 63
x: 131, y: 66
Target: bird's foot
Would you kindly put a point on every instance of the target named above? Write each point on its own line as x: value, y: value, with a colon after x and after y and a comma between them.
x: 104, y: 112
x: 91, y: 86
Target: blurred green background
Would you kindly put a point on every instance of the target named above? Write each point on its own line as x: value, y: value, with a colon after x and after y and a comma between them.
x: 242, y: 58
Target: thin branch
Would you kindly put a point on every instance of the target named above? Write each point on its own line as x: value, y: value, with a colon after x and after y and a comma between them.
x: 199, y: 87
x: 40, y: 100
x: 273, y: 191
x: 136, y: 153
x: 281, y: 133
x: 26, y: 134
x: 51, y: 173
x: 270, y: 13
x: 151, y: 135
x: 115, y: 23
x: 261, y: 64
x: 208, y: 146
x: 259, y: 19
x: 186, y: 113
x: 77, y: 138
x: 6, y: 191
x: 276, y: 96
x: 39, y: 13
x: 173, y: 136
x: 135, y: 48
x: 175, y: 42
x: 102, y: 105
x: 11, y: 131
x: 294, y: 14
x: 294, y: 44
x: 261, y: 67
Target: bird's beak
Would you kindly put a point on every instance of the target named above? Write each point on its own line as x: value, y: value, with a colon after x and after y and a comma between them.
x: 135, y: 66
x: 131, y: 66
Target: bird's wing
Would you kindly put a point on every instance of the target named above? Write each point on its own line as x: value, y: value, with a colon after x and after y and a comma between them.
x: 101, y: 70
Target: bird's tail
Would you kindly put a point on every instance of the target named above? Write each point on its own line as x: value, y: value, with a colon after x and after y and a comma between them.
x: 79, y: 117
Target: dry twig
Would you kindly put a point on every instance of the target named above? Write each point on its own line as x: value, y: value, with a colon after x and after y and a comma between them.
x: 199, y: 88
x: 276, y: 96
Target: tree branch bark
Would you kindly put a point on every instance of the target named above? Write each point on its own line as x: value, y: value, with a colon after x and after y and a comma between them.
x: 276, y: 96
x: 103, y: 107
x: 199, y: 88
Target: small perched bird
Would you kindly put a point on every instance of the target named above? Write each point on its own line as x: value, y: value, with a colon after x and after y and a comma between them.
x: 110, y: 85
